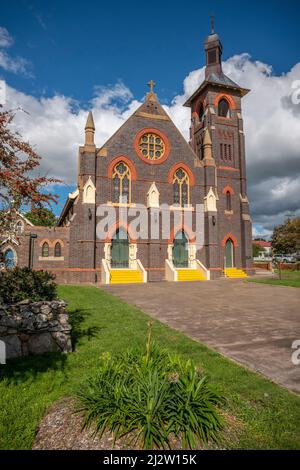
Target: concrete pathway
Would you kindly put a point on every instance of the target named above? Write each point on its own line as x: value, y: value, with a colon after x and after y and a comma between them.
x: 254, y: 324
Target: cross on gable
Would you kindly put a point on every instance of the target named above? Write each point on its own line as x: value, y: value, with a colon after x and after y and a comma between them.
x: 151, y: 85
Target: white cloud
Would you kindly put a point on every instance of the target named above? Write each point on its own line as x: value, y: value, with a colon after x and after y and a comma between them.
x: 17, y: 65
x: 5, y: 39
x: 272, y: 126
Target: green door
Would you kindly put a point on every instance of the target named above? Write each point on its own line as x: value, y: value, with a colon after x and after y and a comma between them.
x: 120, y: 250
x: 180, y: 251
x: 229, y: 254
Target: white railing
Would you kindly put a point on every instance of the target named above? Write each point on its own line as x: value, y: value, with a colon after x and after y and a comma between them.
x: 141, y: 269
x: 171, y: 272
x: 203, y: 270
x: 105, y: 273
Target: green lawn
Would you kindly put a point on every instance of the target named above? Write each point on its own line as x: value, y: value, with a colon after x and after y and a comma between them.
x: 268, y: 415
x: 288, y: 278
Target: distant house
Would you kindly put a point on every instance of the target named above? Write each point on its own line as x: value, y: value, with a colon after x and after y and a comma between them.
x: 266, y: 246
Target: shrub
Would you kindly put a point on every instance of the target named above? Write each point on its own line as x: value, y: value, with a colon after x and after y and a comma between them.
x: 25, y: 284
x: 151, y: 397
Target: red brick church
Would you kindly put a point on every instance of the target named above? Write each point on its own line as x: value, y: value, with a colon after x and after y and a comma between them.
x: 148, y: 162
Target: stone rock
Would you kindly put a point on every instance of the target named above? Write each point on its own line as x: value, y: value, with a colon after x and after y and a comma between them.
x: 23, y: 302
x: 45, y: 309
x: 35, y: 328
x: 8, y: 321
x: 13, y: 346
x: 63, y: 318
x: 41, y: 318
x: 42, y: 343
x: 62, y: 340
x: 35, y: 308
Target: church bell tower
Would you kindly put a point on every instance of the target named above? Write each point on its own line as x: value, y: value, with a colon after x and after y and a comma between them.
x: 216, y: 115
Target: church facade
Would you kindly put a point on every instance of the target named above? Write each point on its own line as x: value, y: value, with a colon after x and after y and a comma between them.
x: 147, y: 166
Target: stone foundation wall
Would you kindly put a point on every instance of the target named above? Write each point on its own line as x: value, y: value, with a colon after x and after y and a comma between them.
x: 34, y: 328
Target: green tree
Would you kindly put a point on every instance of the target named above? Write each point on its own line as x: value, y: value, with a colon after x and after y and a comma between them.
x: 41, y: 216
x: 19, y: 182
x: 286, y: 237
x: 256, y: 249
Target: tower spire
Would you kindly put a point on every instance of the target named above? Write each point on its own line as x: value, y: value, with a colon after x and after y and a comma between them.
x: 90, y: 130
x: 213, y: 50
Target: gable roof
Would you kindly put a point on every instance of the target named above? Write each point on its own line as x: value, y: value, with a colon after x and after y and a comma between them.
x: 219, y: 80
x: 152, y: 109
x: 262, y: 243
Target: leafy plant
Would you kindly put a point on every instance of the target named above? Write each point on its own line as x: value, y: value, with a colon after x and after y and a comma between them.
x: 25, y: 284
x: 152, y: 398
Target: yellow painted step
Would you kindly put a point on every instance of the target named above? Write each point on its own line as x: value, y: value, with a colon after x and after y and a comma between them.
x: 125, y: 276
x: 189, y: 275
x: 235, y: 273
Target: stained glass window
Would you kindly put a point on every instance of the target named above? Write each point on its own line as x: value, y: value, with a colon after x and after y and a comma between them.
x: 45, y: 250
x: 121, y: 183
x: 181, y: 190
x: 57, y: 250
x: 151, y: 146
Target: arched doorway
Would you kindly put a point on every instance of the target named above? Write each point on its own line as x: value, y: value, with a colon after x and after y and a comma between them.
x: 120, y: 250
x: 10, y: 258
x: 229, y: 254
x: 180, y: 250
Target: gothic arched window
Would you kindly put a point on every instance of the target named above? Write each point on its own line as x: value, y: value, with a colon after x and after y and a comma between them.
x: 228, y: 201
x: 121, y: 179
x: 201, y: 112
x: 45, y: 250
x: 10, y: 258
x: 223, y: 108
x: 57, y: 250
x: 181, y: 188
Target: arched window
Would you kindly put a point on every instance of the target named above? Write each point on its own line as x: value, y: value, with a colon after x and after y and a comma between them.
x: 180, y: 250
x: 181, y: 188
x: 120, y: 249
x: 223, y: 108
x: 19, y: 227
x: 45, y: 250
x: 201, y: 112
x: 121, y: 178
x: 10, y: 258
x: 57, y: 250
x: 228, y: 201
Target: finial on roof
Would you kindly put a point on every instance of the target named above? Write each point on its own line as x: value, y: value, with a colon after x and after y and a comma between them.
x: 212, y: 24
x: 90, y: 130
x: 208, y: 159
x: 90, y: 121
x: 207, y: 139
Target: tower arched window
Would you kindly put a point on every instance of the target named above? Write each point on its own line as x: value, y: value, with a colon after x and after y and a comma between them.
x: 57, y: 250
x: 121, y: 179
x: 228, y: 201
x: 201, y: 112
x: 223, y: 108
x: 181, y: 188
x: 45, y: 250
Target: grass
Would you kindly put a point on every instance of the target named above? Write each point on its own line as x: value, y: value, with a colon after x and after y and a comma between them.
x: 288, y: 278
x: 269, y: 415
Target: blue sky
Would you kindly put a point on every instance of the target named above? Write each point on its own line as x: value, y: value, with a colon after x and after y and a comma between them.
x: 61, y: 58
x: 75, y: 45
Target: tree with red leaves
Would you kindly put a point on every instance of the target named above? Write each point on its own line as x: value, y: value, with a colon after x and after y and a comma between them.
x: 18, y: 184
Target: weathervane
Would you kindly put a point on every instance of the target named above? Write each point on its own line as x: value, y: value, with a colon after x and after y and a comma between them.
x: 151, y: 85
